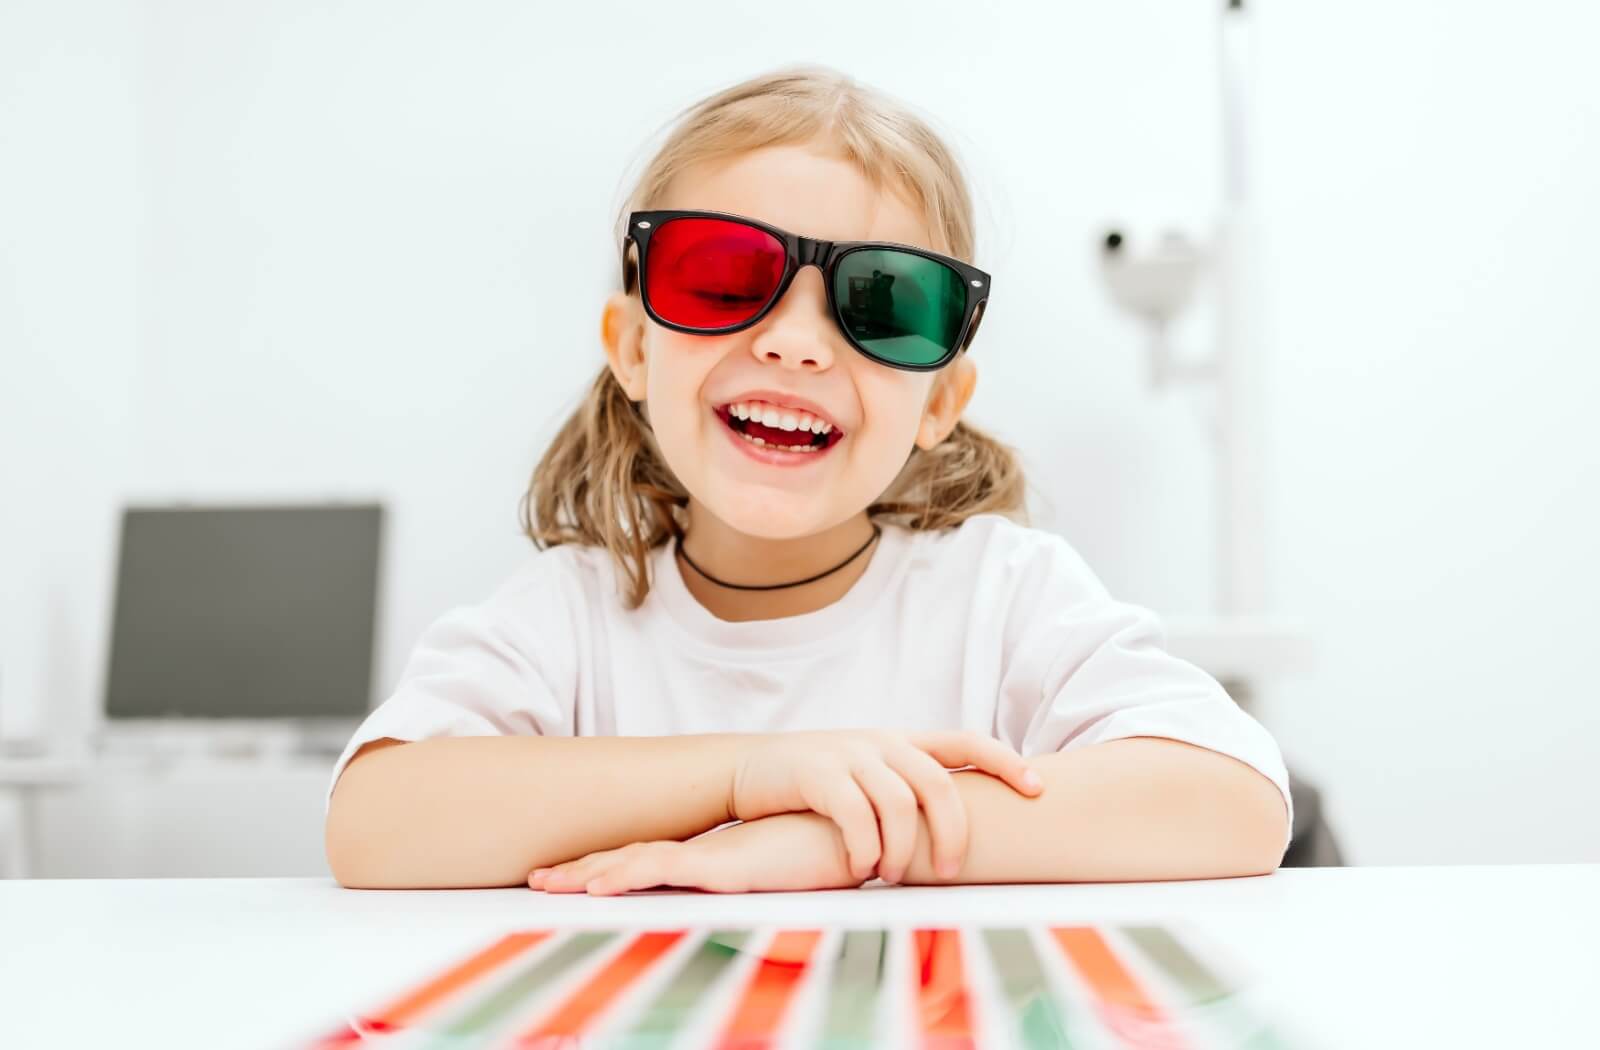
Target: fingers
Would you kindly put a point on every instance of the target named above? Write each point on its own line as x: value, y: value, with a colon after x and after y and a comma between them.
x: 896, y: 806
x: 946, y: 813
x: 573, y: 874
x: 956, y: 749
x: 846, y: 805
x: 638, y: 866
x: 644, y: 869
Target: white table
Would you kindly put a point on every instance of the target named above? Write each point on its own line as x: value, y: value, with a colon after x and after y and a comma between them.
x: 1357, y: 957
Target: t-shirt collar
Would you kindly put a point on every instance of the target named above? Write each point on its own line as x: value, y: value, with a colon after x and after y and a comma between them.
x: 672, y: 597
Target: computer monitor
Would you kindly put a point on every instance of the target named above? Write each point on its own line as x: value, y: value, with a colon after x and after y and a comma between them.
x: 244, y: 612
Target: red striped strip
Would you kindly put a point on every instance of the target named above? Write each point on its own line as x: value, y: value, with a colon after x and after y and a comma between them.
x: 413, y: 1004
x: 581, y: 1008
x: 943, y: 1000
x: 755, y: 1020
x: 1121, y: 1001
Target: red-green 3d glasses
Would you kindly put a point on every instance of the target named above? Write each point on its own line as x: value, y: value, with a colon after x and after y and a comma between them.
x: 711, y: 273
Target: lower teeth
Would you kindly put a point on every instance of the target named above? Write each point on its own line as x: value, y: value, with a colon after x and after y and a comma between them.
x: 782, y: 448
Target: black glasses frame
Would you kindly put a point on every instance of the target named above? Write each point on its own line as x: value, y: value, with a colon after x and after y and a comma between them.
x: 805, y: 251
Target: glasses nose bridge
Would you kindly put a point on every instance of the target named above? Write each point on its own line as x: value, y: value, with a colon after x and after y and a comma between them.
x: 813, y: 252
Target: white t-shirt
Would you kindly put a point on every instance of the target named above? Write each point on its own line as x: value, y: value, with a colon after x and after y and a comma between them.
x: 990, y: 626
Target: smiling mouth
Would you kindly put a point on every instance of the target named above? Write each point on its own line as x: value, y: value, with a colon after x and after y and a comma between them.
x: 800, y: 440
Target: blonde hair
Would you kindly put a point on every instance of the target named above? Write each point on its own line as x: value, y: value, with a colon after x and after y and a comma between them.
x: 604, y: 482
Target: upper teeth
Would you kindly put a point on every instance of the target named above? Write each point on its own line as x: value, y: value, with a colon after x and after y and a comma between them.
x: 782, y: 418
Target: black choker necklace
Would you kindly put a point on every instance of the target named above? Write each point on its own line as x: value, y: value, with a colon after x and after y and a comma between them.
x: 777, y: 586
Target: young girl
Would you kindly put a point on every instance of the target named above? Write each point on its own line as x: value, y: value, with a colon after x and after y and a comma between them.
x: 780, y: 601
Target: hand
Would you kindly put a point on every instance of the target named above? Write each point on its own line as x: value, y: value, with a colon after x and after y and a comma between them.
x: 791, y: 851
x: 871, y: 783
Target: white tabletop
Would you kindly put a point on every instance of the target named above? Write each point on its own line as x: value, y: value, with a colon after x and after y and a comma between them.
x: 1355, y: 957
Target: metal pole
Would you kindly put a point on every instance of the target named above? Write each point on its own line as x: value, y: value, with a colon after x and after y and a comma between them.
x: 1240, y: 525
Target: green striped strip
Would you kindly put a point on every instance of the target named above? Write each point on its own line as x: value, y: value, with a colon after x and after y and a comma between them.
x: 1027, y: 989
x: 1205, y: 991
x: 666, y: 1017
x: 470, y: 1027
x: 853, y: 991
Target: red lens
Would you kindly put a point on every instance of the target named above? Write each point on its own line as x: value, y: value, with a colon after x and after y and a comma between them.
x: 711, y: 273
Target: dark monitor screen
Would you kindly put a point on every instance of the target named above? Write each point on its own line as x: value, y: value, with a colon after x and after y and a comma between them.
x: 244, y: 612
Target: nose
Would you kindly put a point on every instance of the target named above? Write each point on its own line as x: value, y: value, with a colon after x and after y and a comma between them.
x: 797, y: 333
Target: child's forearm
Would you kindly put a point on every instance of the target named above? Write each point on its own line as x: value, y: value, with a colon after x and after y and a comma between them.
x: 1125, y: 810
x: 457, y: 812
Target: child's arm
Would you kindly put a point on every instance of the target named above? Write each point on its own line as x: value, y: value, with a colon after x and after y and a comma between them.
x: 1129, y: 810
x: 481, y: 811
x: 1125, y: 810
x: 456, y: 812
x: 786, y: 851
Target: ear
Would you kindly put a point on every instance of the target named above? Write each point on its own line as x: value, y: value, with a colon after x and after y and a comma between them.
x: 952, y: 389
x: 622, y: 333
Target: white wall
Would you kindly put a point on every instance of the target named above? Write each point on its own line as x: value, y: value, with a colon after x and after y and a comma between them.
x: 319, y: 243
x: 69, y: 214
x: 1430, y: 185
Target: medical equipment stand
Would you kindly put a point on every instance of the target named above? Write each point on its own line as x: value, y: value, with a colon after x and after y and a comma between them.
x: 1156, y: 284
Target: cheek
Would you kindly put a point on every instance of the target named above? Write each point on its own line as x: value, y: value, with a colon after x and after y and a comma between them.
x: 677, y: 366
x: 894, y: 407
x: 888, y: 438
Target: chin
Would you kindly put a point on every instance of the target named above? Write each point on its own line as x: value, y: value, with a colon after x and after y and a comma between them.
x: 772, y: 520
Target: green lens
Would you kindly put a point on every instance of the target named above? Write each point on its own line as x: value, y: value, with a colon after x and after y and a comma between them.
x: 901, y: 307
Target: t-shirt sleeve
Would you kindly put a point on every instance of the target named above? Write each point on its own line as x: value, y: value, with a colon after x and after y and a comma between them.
x: 1086, y: 668
x: 502, y: 667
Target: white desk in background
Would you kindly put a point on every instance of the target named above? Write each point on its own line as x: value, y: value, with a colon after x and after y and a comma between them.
x: 19, y: 779
x: 162, y: 814
x: 1347, y: 957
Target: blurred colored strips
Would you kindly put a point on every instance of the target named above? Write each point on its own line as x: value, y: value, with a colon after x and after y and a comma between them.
x: 579, y: 1011
x: 1143, y: 987
x: 1198, y: 982
x: 403, y: 1011
x: 943, y: 1003
x: 760, y: 1009
x: 854, y: 990
x: 1211, y: 997
x: 668, y: 1014
x: 1034, y: 1006
x: 515, y: 993
x: 1122, y: 1003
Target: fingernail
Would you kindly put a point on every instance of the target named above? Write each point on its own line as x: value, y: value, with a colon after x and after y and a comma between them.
x: 1031, y: 781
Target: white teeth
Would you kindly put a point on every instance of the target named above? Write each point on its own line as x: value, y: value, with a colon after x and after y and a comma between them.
x: 779, y: 418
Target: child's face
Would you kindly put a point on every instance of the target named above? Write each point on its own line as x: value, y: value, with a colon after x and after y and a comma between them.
x: 796, y: 349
